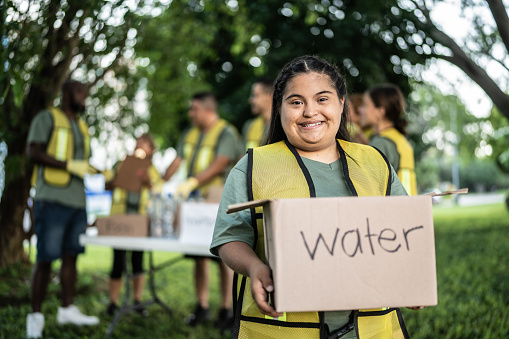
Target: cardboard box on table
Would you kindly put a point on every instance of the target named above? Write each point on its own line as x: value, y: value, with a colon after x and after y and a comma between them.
x: 349, y: 253
x: 127, y: 225
x: 195, y: 221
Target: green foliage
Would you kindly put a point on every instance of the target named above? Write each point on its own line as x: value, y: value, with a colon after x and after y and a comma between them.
x: 483, y: 175
x: 221, y: 47
x: 439, y: 123
x: 45, y: 42
x: 499, y: 140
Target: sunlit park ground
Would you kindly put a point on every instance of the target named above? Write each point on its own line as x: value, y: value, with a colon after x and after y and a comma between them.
x: 472, y: 248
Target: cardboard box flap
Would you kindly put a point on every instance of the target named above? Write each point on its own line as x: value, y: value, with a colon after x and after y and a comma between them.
x: 250, y: 204
x: 460, y: 191
x: 244, y: 205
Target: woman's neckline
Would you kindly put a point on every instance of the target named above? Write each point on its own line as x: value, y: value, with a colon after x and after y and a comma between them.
x: 321, y: 162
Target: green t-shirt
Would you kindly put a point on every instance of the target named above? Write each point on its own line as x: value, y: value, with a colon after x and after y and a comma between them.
x: 227, y: 145
x: 388, y: 148
x: 329, y: 181
x: 72, y: 195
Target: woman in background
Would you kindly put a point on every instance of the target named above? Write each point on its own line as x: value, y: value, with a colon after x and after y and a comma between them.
x: 383, y: 108
x: 127, y: 202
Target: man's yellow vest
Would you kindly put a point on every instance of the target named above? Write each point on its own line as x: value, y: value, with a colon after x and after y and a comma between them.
x: 61, y: 147
x: 277, y: 171
x: 119, y: 195
x: 205, y: 154
x: 255, y: 133
x: 406, y: 170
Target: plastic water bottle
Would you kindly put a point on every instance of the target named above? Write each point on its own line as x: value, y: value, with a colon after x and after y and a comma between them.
x: 168, y: 211
x: 155, y: 211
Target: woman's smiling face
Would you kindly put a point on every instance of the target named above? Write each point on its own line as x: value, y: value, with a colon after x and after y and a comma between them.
x: 311, y: 112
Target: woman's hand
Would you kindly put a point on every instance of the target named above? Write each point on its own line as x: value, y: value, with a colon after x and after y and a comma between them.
x: 261, y: 285
x: 241, y: 258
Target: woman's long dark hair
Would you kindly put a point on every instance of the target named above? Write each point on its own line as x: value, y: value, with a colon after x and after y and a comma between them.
x: 305, y: 64
x: 389, y: 97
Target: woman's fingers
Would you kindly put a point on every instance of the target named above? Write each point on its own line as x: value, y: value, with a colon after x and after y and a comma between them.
x: 261, y: 285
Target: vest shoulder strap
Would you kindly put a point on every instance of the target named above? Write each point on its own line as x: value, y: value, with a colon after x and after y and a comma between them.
x: 60, y: 120
x: 212, y: 137
x: 256, y: 129
x: 83, y: 127
x: 367, y: 169
x: 405, y: 150
x: 272, y: 160
x: 192, y: 136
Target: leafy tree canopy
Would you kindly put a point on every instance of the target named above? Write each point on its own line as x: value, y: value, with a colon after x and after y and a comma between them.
x: 225, y: 45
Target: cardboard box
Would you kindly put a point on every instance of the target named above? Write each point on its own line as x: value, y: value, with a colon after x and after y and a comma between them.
x: 350, y: 252
x: 127, y: 225
x: 196, y: 222
x: 127, y: 175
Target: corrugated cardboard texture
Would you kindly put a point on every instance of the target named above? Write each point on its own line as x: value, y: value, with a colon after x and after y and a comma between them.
x: 127, y: 177
x: 128, y: 225
x: 351, y: 253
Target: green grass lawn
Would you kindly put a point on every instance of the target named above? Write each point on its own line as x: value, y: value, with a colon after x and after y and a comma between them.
x: 472, y: 272
x: 472, y: 248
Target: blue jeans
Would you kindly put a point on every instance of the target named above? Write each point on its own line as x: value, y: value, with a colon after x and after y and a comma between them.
x: 58, y: 228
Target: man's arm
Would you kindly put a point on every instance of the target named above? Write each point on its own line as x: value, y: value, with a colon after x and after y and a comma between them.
x: 217, y: 167
x: 37, y: 153
x: 170, y: 171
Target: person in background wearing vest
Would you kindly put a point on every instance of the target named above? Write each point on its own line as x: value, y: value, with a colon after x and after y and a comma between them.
x: 208, y: 148
x: 354, y: 126
x: 383, y: 108
x: 126, y: 202
x: 59, y: 145
x: 255, y: 130
x: 305, y: 156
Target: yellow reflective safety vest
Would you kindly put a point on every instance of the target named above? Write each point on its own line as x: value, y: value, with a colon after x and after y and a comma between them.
x: 255, y: 133
x: 199, y: 157
x: 119, y: 195
x: 406, y: 170
x: 277, y: 171
x: 61, y: 147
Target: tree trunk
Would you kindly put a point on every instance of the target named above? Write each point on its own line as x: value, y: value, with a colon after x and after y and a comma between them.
x: 18, y: 171
x: 12, y: 209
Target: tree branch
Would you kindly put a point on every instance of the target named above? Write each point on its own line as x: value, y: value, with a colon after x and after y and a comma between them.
x: 499, y: 13
x: 460, y: 59
x: 500, y: 62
